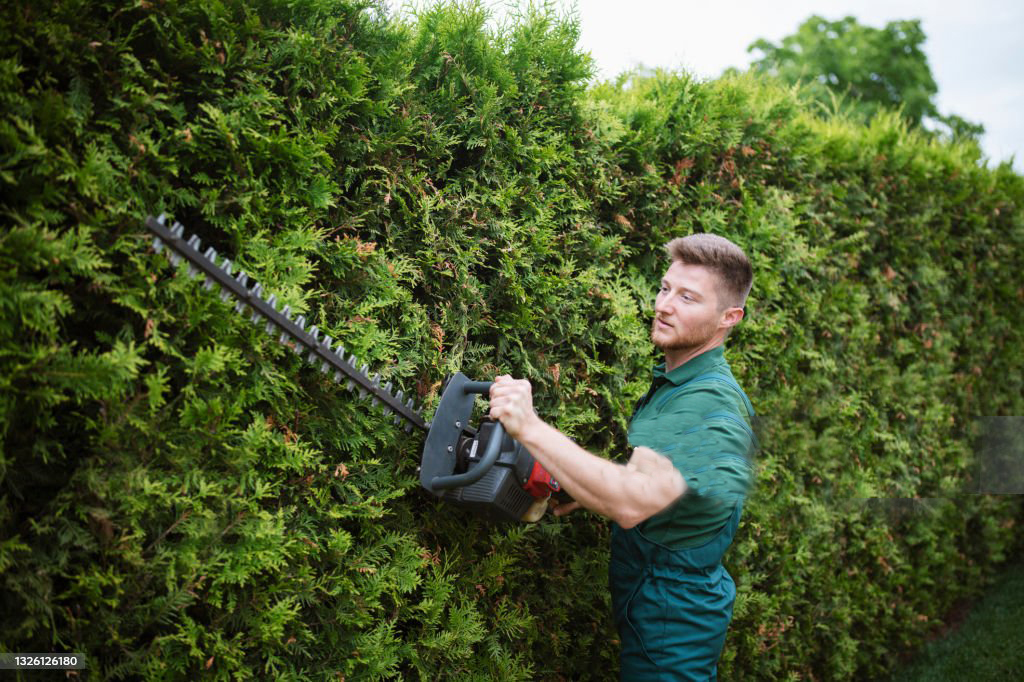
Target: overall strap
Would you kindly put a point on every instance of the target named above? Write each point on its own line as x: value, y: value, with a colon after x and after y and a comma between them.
x: 643, y: 400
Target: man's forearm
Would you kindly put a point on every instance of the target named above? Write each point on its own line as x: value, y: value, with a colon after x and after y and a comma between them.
x: 610, y: 489
x: 628, y: 494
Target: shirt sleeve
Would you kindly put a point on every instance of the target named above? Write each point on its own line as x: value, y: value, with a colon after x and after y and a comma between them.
x: 707, y: 436
x: 715, y: 462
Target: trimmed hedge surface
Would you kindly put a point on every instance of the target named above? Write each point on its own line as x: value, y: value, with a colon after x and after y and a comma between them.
x: 181, y: 497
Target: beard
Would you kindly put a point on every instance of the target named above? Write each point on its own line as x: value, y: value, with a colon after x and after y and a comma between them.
x: 676, y: 338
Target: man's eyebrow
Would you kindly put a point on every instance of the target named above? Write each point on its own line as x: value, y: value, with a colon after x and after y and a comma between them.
x: 665, y: 283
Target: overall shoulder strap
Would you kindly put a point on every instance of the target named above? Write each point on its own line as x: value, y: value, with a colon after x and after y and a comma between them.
x: 642, y: 400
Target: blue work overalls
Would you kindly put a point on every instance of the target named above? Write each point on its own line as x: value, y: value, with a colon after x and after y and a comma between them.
x: 672, y: 607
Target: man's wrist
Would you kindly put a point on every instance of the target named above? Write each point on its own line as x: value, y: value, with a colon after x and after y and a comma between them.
x: 531, y: 430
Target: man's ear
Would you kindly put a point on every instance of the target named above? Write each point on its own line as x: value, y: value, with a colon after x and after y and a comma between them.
x: 731, y: 317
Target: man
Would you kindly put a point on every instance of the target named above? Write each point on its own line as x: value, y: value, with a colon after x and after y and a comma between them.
x: 676, y: 504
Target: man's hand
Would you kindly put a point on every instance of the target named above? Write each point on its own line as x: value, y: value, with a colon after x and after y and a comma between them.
x: 512, y: 404
x: 562, y: 508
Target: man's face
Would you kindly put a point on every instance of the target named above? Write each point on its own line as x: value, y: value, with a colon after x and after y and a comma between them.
x: 686, y: 311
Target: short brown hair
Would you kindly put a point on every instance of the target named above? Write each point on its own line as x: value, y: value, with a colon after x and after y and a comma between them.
x: 722, y: 257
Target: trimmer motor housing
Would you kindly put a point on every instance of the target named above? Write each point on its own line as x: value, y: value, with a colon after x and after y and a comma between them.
x: 482, y: 469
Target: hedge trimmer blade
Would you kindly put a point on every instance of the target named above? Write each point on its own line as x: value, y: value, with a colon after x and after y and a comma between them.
x: 309, y: 342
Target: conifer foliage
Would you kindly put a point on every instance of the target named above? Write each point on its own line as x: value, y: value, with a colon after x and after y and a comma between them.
x: 181, y: 497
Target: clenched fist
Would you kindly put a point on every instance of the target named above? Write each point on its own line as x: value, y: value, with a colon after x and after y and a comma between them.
x: 512, y: 404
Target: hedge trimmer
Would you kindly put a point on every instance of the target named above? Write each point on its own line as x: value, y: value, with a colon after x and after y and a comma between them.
x: 481, y: 468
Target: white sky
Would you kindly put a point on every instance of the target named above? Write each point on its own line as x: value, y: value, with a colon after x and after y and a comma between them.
x: 975, y: 49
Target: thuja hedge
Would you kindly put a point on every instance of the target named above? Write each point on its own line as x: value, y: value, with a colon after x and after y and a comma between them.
x: 180, y: 497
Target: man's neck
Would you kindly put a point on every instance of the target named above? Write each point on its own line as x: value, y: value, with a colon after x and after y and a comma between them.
x: 678, y: 358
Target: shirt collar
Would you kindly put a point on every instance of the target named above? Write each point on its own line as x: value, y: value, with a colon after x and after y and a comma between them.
x: 692, y: 368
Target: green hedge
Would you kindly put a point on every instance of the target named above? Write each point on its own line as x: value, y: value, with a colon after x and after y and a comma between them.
x: 181, y: 497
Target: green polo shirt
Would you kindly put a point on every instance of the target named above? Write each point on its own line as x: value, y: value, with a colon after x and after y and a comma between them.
x: 699, y: 417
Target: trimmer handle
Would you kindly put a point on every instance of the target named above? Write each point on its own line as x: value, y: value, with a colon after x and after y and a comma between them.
x: 439, y: 483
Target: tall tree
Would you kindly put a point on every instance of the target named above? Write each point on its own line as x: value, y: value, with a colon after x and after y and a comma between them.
x: 871, y: 68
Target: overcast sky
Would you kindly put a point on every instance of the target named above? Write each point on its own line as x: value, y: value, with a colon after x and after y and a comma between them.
x: 975, y: 49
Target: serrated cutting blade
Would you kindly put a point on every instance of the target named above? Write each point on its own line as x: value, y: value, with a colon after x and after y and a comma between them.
x: 314, y: 343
